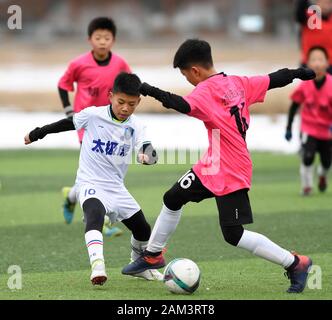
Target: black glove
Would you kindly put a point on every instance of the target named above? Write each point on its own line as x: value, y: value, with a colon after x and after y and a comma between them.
x: 144, y: 89
x: 305, y: 74
x: 288, y: 135
x: 34, y: 135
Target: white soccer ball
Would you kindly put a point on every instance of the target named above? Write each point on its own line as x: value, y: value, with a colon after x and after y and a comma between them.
x: 182, y: 276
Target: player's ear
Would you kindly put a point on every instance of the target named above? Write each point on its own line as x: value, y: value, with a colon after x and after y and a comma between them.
x: 110, y: 95
x: 195, y: 71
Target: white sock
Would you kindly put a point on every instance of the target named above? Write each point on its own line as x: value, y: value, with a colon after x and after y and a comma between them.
x: 322, y: 172
x: 137, y: 248
x: 72, y: 195
x: 94, y: 243
x: 164, y: 227
x: 262, y: 247
x: 307, y: 176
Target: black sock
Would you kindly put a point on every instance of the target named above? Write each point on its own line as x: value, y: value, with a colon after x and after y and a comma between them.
x: 294, y: 264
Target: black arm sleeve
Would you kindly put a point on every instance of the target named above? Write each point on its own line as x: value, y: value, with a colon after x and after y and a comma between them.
x: 59, y: 126
x: 301, y: 11
x: 291, y: 114
x: 168, y: 100
x: 286, y: 76
x: 64, y: 96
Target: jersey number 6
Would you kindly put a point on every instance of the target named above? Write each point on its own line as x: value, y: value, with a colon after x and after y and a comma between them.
x: 186, y: 180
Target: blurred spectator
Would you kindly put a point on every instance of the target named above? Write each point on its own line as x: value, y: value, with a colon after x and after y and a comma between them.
x: 318, y: 34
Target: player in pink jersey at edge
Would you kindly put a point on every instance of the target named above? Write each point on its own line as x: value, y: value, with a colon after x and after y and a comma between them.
x: 93, y: 73
x: 222, y: 102
x: 315, y: 97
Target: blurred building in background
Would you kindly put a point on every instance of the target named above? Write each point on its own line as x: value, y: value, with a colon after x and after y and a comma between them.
x: 149, y: 19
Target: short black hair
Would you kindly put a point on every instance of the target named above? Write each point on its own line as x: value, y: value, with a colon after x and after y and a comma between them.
x: 128, y: 83
x: 193, y: 51
x: 322, y: 49
x: 103, y: 23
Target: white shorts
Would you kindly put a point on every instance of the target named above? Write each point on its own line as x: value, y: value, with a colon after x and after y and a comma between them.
x: 118, y: 202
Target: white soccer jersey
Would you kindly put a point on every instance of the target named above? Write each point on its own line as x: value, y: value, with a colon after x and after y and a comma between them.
x: 106, y: 147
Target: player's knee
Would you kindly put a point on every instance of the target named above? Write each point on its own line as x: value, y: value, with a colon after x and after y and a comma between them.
x: 172, y: 200
x: 308, y: 159
x: 139, y: 227
x: 232, y: 234
x: 94, y: 213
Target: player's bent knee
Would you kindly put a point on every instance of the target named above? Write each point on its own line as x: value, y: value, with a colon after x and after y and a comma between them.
x: 94, y: 213
x: 232, y: 234
x: 139, y: 227
x: 172, y: 200
x: 308, y: 160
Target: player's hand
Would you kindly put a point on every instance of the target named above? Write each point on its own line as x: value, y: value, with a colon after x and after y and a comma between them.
x: 306, y: 74
x: 69, y: 111
x: 143, y: 158
x: 288, y: 135
x: 144, y: 89
x: 27, y: 139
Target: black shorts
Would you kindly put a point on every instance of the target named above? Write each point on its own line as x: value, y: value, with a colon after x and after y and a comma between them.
x: 311, y: 146
x: 234, y: 208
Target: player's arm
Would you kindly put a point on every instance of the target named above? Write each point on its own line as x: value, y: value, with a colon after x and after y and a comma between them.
x: 168, y: 100
x: 64, y: 97
x: 291, y: 115
x: 59, y: 126
x: 147, y: 154
x: 301, y: 9
x: 286, y: 76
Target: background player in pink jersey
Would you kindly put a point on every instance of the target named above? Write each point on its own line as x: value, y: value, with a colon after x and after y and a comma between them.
x: 222, y: 102
x: 315, y: 97
x: 93, y: 73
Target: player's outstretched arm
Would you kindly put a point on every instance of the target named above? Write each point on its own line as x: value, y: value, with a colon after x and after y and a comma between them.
x: 147, y: 155
x: 59, y: 126
x: 286, y: 76
x: 291, y: 114
x: 168, y: 100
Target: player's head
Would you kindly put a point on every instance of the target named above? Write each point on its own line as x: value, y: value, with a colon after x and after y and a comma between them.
x: 194, y: 59
x: 102, y: 33
x: 326, y: 6
x: 125, y: 95
x: 318, y: 60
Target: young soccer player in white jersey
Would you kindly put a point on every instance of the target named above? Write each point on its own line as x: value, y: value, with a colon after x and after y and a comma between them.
x: 111, y: 134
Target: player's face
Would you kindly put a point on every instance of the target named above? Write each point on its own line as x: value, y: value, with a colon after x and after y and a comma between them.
x: 101, y: 42
x: 318, y: 62
x: 123, y: 105
x: 192, y: 75
x: 326, y: 6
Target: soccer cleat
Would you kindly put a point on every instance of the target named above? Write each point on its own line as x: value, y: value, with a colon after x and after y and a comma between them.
x: 322, y: 186
x: 307, y: 191
x: 144, y: 263
x: 298, y: 276
x: 68, y: 207
x: 112, y: 232
x: 150, y: 275
x: 98, y: 273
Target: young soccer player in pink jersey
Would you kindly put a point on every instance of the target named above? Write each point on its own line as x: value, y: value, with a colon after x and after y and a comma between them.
x: 222, y: 102
x: 93, y: 73
x: 315, y: 97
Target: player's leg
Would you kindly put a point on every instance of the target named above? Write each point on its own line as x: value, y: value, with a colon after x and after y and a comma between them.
x: 94, y: 204
x: 188, y: 188
x: 234, y: 211
x: 141, y: 232
x: 325, y: 153
x: 70, y: 199
x: 309, y: 148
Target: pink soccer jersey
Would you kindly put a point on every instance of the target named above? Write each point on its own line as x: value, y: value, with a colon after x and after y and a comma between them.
x: 316, y: 112
x: 94, y: 82
x: 222, y: 103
